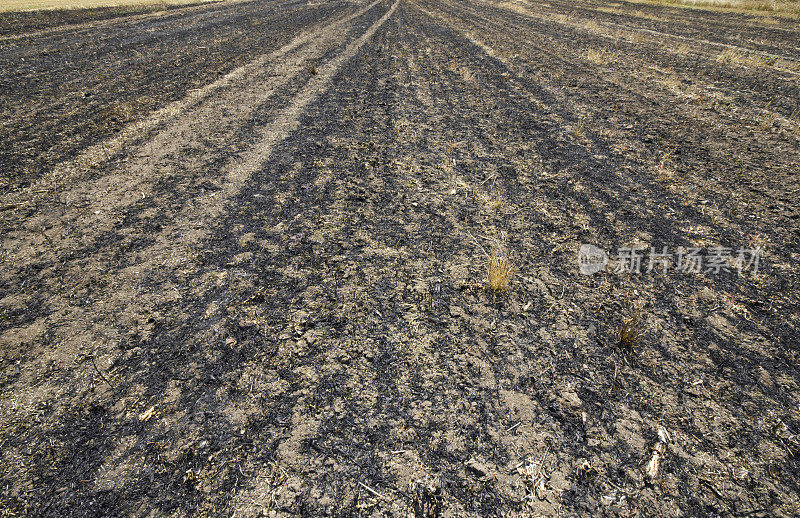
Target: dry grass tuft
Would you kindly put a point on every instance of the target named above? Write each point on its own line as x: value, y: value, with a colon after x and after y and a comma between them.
x: 790, y: 8
x: 731, y: 57
x: 591, y: 25
x: 681, y: 49
x: 637, y: 37
x: 578, y: 131
x: 665, y: 172
x: 494, y: 199
x: 794, y: 120
x: 490, y: 200
x: 750, y: 59
x: 599, y: 56
x: 120, y: 113
x: 767, y: 122
x: 499, y: 271
x: 629, y: 330
x: 427, y: 498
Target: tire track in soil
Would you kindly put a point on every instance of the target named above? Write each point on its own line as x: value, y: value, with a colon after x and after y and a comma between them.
x: 652, y: 380
x: 139, y: 131
x: 97, y: 207
x: 337, y: 438
x: 358, y: 206
x: 194, y: 122
x: 164, y: 254
x: 61, y: 98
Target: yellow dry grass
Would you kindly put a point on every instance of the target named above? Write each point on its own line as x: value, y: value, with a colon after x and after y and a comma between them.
x: 39, y: 5
x: 794, y: 120
x: 600, y: 56
x: 789, y: 8
x: 499, y: 271
x: 742, y: 57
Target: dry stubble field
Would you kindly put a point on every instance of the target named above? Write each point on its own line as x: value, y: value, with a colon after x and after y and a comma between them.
x: 243, y: 260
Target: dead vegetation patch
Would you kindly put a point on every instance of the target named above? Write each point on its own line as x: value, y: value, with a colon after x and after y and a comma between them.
x: 120, y: 113
x: 600, y: 56
x: 743, y: 57
x: 499, y: 271
x: 630, y: 329
x: 787, y: 8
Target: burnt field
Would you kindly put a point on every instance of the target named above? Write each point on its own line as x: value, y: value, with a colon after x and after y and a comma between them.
x: 245, y: 248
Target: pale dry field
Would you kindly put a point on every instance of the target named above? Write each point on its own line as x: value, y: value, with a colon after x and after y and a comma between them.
x: 768, y: 7
x: 36, y: 5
